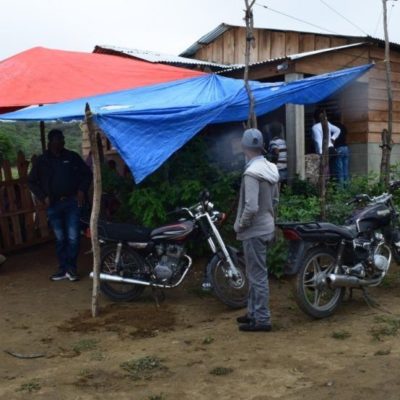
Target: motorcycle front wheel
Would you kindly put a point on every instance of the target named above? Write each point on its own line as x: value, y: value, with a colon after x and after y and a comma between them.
x: 131, y: 266
x: 232, y: 292
x: 311, y: 292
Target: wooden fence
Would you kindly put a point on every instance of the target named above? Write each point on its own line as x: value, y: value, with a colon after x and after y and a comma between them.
x: 22, y: 223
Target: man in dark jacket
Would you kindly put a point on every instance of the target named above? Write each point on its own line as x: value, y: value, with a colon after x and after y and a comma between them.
x: 60, y: 180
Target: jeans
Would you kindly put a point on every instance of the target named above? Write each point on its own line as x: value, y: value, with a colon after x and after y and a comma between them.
x: 342, y: 164
x: 64, y: 218
x: 255, y: 256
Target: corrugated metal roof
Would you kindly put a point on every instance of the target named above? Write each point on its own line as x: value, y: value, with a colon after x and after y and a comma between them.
x: 156, y: 57
x: 206, y: 39
x: 297, y: 56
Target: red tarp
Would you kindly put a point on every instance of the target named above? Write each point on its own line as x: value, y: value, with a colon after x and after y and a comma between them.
x: 41, y: 76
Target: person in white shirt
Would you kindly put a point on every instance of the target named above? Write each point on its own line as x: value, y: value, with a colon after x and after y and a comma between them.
x: 317, y: 135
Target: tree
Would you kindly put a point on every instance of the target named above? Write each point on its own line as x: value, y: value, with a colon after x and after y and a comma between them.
x: 7, y: 151
x: 250, y: 42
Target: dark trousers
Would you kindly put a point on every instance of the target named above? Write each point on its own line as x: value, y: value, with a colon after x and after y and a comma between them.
x: 64, y: 218
x: 255, y: 255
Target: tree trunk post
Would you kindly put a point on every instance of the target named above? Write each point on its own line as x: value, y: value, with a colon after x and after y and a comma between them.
x: 324, y: 164
x: 95, y: 208
x: 387, y: 136
x: 250, y: 42
x: 43, y: 136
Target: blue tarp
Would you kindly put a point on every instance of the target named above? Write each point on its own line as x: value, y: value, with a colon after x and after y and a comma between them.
x: 147, y: 125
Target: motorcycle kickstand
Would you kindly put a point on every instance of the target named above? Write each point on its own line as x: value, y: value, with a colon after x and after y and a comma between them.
x: 158, y: 295
x: 371, y: 302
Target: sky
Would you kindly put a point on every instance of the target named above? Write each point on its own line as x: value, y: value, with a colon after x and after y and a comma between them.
x: 171, y: 26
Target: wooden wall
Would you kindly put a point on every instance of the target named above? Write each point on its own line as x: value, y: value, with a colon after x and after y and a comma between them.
x: 229, y: 48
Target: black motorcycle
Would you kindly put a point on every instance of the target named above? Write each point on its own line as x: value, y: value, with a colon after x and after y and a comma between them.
x: 134, y: 257
x: 327, y: 258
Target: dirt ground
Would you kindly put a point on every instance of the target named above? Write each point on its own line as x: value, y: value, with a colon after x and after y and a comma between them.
x: 190, y: 347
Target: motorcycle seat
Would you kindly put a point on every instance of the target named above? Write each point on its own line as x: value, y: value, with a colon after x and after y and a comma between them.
x: 347, y: 232
x: 123, y: 232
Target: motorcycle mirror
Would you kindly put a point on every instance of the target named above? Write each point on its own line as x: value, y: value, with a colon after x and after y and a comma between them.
x: 204, y: 195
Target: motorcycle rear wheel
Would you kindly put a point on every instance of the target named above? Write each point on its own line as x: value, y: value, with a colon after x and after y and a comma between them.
x: 231, y: 292
x: 312, y: 295
x: 132, y: 265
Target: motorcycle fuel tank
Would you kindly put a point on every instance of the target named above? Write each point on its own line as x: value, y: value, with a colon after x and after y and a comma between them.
x: 175, y: 231
x: 372, y: 217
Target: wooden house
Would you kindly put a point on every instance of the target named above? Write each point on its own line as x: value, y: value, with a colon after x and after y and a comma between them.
x: 289, y: 55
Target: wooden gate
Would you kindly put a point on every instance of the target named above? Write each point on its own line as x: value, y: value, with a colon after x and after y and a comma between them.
x: 22, y: 223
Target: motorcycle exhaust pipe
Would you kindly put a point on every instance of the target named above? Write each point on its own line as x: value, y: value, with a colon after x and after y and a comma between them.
x: 337, y: 281
x: 120, y: 279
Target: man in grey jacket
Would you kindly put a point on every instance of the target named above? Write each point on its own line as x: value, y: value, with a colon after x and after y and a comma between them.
x: 255, y: 227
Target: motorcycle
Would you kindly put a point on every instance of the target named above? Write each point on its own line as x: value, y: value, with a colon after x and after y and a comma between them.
x: 134, y: 257
x: 325, y: 258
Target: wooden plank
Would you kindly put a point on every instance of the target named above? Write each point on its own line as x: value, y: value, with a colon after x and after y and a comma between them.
x: 307, y: 42
x: 322, y: 42
x: 277, y: 44
x: 218, y: 50
x: 338, y: 41
x: 254, y: 50
x: 354, y: 114
x: 382, y: 105
x: 378, y: 127
x: 264, y: 49
x: 377, y: 73
x: 381, y: 84
x: 292, y: 43
x: 357, y: 127
x: 229, y: 47
x: 354, y: 138
x: 381, y: 94
x: 379, y: 53
x: 376, y: 138
x: 382, y: 116
x: 240, y: 45
x: 12, y: 198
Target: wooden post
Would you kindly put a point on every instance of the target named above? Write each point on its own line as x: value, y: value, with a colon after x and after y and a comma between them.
x: 250, y: 42
x: 324, y: 164
x: 95, y: 208
x: 386, y: 142
x: 42, y: 134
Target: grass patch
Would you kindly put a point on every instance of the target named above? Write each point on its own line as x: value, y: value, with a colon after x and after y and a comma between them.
x: 382, y: 352
x: 84, y: 345
x: 341, y: 335
x: 156, y: 397
x: 208, y: 340
x: 97, y: 356
x: 221, y: 371
x: 143, y: 368
x: 387, y: 326
x: 29, y: 387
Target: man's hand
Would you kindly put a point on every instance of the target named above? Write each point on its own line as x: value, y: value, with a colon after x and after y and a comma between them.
x: 81, y: 198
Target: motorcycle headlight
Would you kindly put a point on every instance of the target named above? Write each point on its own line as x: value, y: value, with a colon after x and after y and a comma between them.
x: 210, y: 206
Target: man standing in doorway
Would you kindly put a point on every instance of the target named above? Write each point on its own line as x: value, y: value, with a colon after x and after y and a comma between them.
x: 255, y: 227
x: 60, y: 180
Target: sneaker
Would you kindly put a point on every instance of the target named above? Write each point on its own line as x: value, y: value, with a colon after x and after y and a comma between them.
x: 58, y: 276
x: 255, y: 327
x: 206, y: 286
x: 72, y: 276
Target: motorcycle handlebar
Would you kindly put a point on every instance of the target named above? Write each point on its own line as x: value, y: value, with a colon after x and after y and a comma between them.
x: 359, y: 198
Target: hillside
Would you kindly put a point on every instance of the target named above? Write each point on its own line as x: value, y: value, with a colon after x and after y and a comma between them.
x: 25, y: 136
